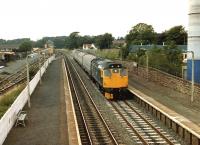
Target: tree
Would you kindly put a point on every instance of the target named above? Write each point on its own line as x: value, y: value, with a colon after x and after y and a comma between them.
x: 104, y: 41
x: 161, y: 38
x: 2, y: 41
x: 73, y: 40
x: 40, y: 43
x: 123, y: 53
x: 14, y: 41
x: 167, y: 59
x: 173, y: 53
x: 25, y: 46
x: 59, y: 42
x: 87, y: 39
x: 141, y: 33
x: 17, y: 41
x: 177, y: 34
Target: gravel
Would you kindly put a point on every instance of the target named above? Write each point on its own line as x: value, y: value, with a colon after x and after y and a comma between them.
x: 13, y: 67
x: 106, y: 111
x: 102, y: 104
x: 174, y: 100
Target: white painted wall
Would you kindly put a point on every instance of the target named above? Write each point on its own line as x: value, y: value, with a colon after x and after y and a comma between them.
x: 194, y: 29
x: 86, y: 47
x: 9, y: 118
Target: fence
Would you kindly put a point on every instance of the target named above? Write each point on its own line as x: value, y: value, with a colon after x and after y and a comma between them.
x: 9, y: 118
x: 164, y: 79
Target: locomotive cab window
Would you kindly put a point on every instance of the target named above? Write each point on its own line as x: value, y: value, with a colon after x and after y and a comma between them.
x: 123, y: 72
x: 107, y: 73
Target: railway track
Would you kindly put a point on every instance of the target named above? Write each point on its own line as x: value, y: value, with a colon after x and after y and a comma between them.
x: 93, y: 128
x: 143, y: 129
x: 16, y: 78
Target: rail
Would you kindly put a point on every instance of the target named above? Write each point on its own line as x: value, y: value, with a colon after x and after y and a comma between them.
x: 187, y: 134
x: 79, y: 106
x: 154, y: 128
x: 16, y: 78
x: 130, y: 125
x: 143, y: 128
x: 89, y: 126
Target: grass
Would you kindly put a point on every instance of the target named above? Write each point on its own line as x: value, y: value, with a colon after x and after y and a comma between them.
x: 8, y: 98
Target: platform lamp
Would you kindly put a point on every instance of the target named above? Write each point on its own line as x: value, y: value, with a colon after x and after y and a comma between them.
x: 40, y: 67
x: 44, y: 56
x: 28, y: 78
x: 192, y: 83
x: 147, y: 64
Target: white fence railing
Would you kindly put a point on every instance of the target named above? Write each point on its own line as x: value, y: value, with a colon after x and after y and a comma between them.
x: 9, y: 118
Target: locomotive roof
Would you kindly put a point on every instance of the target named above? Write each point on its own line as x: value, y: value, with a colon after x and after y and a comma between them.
x: 98, y: 61
x: 103, y: 63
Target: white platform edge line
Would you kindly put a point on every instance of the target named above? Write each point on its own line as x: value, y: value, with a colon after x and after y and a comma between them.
x: 76, y: 124
x: 170, y: 117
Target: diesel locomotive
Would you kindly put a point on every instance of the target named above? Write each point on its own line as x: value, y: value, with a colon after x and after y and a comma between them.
x: 110, y: 77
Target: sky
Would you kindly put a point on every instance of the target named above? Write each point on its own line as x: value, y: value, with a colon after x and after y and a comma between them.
x: 39, y: 18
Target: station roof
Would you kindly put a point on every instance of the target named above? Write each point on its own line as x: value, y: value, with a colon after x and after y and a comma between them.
x: 7, y: 52
x: 9, y: 47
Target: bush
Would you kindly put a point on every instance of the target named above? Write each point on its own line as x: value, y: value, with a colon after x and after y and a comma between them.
x: 132, y: 56
x: 167, y: 59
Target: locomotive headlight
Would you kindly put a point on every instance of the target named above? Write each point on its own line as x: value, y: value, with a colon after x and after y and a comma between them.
x: 115, y: 70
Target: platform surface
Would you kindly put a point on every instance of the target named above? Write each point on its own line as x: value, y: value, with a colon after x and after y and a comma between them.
x: 174, y: 103
x: 47, y: 121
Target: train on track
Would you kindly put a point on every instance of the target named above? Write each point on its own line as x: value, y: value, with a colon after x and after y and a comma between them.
x: 110, y: 77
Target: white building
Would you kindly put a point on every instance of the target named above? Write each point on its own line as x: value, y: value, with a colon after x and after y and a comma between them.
x: 89, y: 46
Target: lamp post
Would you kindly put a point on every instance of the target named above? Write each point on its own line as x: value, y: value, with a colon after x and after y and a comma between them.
x: 45, y: 66
x: 40, y: 69
x: 28, y: 79
x: 192, y: 84
x: 192, y: 80
x: 147, y: 65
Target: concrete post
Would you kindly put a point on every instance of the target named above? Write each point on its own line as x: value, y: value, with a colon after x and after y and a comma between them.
x: 28, y: 85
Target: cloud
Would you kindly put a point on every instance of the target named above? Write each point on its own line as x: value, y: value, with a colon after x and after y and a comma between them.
x: 38, y: 18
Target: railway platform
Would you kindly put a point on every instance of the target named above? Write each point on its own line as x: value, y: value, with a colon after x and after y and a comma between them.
x: 172, y: 103
x: 49, y: 120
